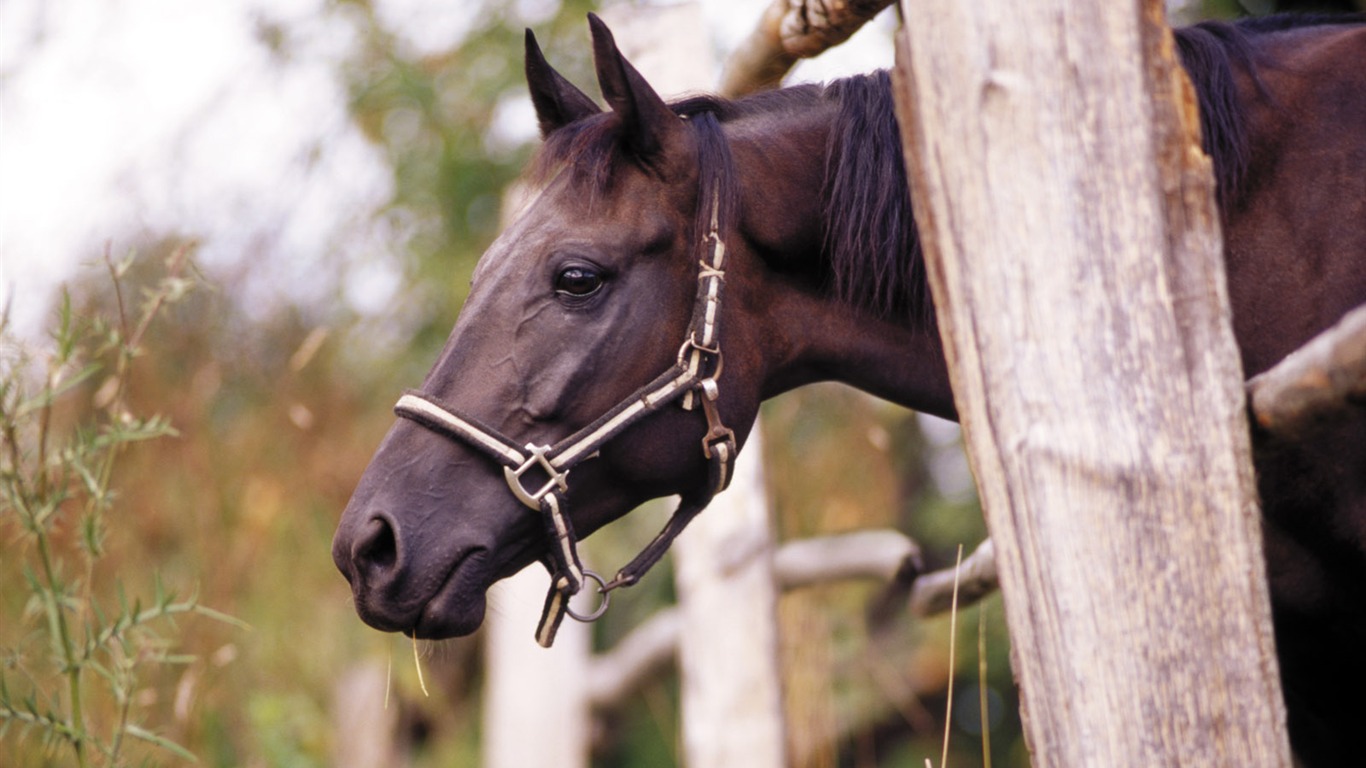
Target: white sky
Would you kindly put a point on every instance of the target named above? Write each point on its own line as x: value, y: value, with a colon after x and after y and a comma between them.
x: 160, y: 115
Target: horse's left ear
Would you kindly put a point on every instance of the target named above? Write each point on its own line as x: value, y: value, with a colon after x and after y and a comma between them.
x: 558, y: 103
x: 648, y: 124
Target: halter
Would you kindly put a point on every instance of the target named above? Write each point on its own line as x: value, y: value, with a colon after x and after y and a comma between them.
x: 692, y: 378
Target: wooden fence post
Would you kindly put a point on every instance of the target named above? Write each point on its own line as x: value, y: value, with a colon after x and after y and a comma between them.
x: 728, y: 633
x: 1073, y: 246
x: 535, y: 699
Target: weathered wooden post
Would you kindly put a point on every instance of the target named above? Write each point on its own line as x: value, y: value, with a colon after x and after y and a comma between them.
x: 1074, y: 251
x: 535, y: 699
x: 728, y: 647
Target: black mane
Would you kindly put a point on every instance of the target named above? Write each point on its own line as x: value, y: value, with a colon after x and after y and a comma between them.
x: 1209, y: 51
x: 869, y: 239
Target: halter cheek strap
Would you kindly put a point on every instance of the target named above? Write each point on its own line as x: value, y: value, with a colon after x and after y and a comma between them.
x: 692, y: 378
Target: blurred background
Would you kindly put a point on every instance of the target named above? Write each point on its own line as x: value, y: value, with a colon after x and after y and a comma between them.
x: 334, y: 169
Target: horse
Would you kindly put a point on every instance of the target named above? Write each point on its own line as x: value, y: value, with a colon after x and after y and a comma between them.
x: 684, y: 261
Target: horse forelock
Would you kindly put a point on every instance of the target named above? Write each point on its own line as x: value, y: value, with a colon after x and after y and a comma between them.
x: 588, y: 149
x: 591, y: 152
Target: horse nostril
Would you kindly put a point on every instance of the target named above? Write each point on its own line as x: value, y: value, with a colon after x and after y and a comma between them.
x: 378, y: 547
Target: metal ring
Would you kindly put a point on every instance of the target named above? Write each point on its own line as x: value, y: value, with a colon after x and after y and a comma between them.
x: 602, y: 607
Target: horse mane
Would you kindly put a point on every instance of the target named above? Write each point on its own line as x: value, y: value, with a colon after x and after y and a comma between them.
x: 870, y: 235
x: 869, y: 241
x: 1209, y: 51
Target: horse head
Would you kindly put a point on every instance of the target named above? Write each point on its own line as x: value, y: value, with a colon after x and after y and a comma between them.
x: 584, y: 301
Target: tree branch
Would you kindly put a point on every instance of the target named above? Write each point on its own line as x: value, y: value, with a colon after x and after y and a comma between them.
x: 614, y: 675
x: 932, y: 594
x: 880, y: 555
x: 790, y: 30
x: 1315, y: 381
x: 874, y: 554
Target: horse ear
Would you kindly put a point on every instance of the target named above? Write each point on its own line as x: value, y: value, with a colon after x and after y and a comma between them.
x: 558, y: 103
x: 647, y: 122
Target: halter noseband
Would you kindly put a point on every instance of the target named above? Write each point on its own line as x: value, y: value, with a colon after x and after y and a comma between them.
x: 692, y: 377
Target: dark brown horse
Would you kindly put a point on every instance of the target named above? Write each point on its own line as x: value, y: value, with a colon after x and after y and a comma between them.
x: 597, y: 338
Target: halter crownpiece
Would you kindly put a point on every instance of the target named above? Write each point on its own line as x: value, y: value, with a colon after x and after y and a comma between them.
x: 692, y: 377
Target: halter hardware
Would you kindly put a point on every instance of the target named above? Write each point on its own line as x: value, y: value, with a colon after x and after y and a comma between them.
x: 693, y: 376
x: 514, y: 477
x: 719, y: 436
x: 604, y: 590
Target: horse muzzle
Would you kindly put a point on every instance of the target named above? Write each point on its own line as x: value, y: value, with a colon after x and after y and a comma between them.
x: 422, y: 539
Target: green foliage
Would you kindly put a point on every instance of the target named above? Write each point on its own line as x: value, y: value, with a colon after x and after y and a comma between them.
x: 433, y: 117
x: 75, y: 649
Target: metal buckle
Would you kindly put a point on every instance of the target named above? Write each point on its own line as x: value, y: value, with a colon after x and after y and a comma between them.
x: 514, y: 477
x: 690, y: 343
x: 717, y: 432
x: 717, y: 436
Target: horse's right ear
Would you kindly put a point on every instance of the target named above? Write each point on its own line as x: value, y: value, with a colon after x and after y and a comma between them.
x: 648, y: 125
x: 558, y: 103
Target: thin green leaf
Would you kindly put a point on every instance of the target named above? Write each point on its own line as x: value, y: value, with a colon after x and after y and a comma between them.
x: 181, y: 659
x: 160, y: 741
x: 49, y: 395
x: 222, y: 617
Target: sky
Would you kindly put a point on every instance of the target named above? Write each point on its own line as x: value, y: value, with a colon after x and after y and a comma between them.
x: 127, y: 116
x: 160, y: 115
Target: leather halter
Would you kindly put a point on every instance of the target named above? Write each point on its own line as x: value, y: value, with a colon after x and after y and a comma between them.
x: 692, y: 377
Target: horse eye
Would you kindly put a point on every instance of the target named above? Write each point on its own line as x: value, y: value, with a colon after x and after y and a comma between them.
x: 578, y: 281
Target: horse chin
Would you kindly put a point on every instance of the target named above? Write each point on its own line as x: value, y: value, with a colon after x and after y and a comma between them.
x: 457, y: 608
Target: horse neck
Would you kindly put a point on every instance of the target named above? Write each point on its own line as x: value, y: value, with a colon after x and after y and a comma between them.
x: 807, y: 338
x: 807, y: 334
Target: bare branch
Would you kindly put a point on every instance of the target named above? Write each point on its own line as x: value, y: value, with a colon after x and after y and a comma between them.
x: 790, y: 30
x: 1316, y: 380
x: 878, y: 554
x: 932, y: 594
x: 614, y: 675
x: 881, y: 555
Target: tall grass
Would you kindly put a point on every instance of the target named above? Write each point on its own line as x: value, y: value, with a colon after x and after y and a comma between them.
x: 78, y: 646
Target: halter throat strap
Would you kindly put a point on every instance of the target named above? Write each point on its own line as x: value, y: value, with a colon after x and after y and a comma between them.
x: 691, y: 379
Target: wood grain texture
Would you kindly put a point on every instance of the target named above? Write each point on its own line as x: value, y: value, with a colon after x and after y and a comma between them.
x: 1073, y: 247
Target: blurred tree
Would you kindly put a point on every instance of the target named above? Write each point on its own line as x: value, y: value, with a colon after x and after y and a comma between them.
x: 437, y: 119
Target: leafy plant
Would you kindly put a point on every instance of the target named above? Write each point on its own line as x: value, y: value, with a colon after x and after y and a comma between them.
x: 71, y: 678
